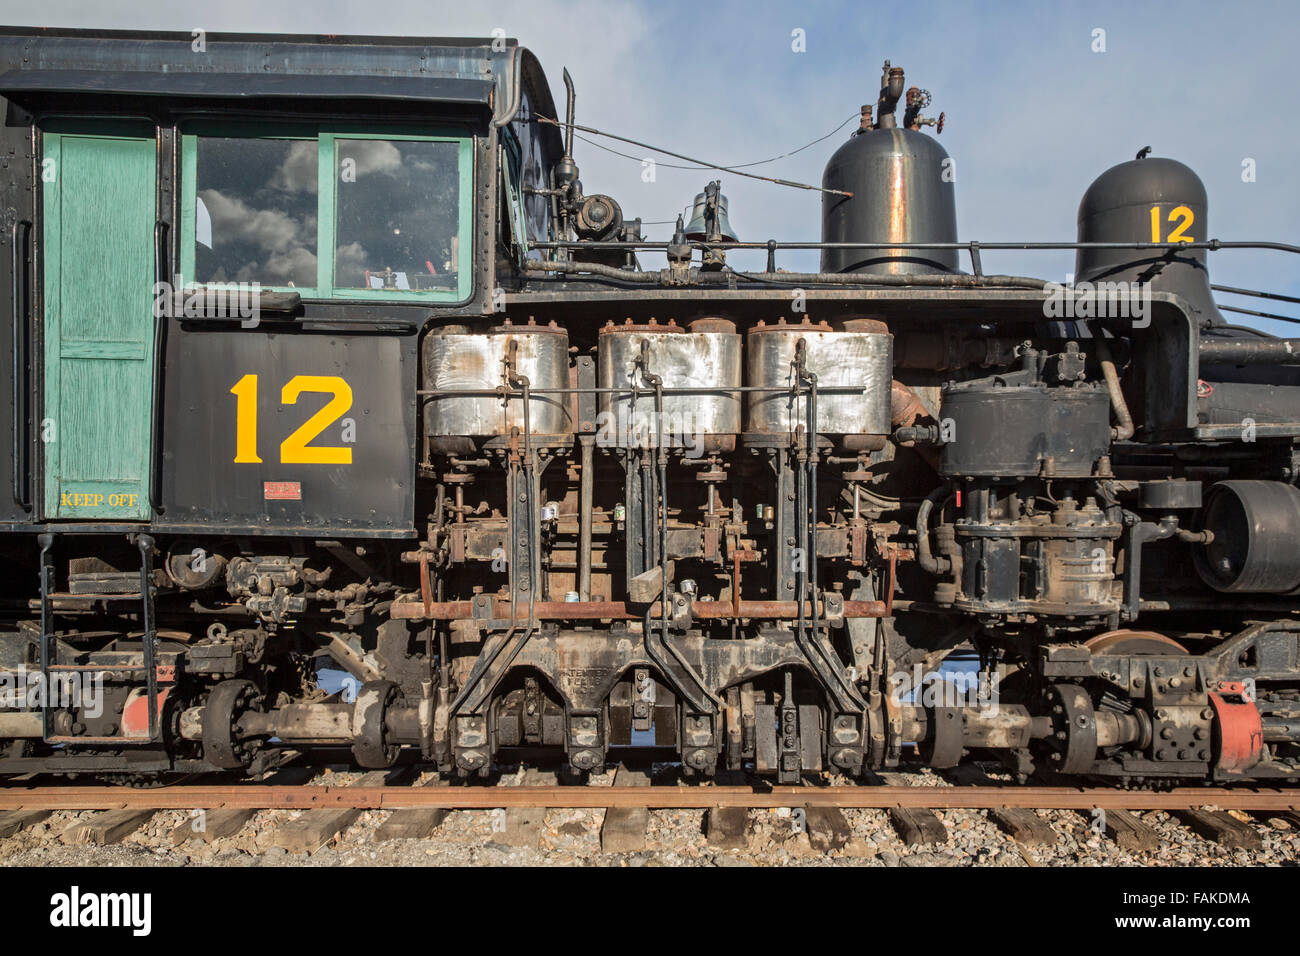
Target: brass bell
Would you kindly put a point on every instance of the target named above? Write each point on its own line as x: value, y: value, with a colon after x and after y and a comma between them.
x: 709, y: 217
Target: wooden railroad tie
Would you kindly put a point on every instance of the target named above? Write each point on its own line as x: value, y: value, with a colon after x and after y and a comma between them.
x: 210, y: 825
x: 1220, y: 827
x: 106, y: 826
x: 417, y: 823
x: 727, y: 828
x: 1022, y: 824
x: 311, y: 831
x: 15, y: 821
x: 828, y: 829
x: 1126, y: 829
x: 522, y: 826
x: 915, y: 825
x: 623, y: 829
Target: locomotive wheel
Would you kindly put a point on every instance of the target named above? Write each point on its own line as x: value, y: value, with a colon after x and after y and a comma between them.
x: 221, y: 746
x: 1137, y: 643
x: 1074, y: 742
x: 368, y: 735
x: 1122, y: 642
x: 942, y: 747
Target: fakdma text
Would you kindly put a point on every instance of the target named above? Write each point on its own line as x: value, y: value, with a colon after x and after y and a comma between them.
x: 75, y: 908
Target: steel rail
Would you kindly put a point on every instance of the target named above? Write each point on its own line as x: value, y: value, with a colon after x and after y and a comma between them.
x: 260, y: 796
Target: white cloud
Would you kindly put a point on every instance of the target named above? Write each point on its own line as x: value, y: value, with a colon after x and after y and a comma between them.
x: 299, y: 170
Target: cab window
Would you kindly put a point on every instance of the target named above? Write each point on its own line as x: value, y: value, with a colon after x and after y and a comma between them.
x: 255, y: 211
x: 328, y: 212
x: 396, y: 215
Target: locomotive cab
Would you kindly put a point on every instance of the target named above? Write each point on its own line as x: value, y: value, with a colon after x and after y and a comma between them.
x: 220, y: 274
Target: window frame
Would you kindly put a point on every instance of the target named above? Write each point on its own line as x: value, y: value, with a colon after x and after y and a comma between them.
x: 512, y: 168
x: 327, y: 136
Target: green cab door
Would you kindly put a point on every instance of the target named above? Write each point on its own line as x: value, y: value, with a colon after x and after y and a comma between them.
x: 99, y: 216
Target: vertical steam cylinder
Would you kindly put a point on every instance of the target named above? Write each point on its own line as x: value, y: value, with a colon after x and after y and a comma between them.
x: 1148, y: 200
x: 854, y: 368
x: 457, y: 360
x: 705, y: 358
x: 902, y: 186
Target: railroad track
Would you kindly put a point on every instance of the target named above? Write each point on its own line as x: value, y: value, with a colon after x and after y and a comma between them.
x: 371, y: 797
x: 1222, y: 815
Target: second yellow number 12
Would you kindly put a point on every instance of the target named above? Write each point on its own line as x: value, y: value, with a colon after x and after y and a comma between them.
x: 295, y: 449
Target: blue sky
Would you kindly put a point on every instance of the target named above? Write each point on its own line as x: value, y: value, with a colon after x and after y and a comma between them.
x: 1033, y: 114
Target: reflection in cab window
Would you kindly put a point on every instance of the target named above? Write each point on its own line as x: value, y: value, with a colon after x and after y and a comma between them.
x: 255, y: 211
x: 396, y: 215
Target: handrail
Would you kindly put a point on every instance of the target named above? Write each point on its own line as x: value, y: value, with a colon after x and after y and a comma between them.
x: 19, y: 293
x: 972, y: 248
x: 1260, y: 315
x: 161, y: 273
x: 1211, y: 244
x: 1259, y: 295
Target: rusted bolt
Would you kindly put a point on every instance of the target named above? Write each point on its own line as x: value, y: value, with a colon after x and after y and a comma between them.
x: 699, y: 759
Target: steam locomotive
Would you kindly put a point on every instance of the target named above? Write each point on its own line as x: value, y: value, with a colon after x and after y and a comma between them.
x: 322, y: 358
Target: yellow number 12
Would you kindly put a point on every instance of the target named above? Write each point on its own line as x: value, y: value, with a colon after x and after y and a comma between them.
x: 295, y: 449
x: 1180, y: 214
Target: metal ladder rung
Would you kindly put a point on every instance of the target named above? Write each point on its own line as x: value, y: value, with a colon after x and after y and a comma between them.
x: 49, y: 648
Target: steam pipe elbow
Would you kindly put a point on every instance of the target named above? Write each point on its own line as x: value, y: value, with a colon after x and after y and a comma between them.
x: 924, y: 556
x: 908, y: 413
x: 905, y: 406
x: 1123, y: 429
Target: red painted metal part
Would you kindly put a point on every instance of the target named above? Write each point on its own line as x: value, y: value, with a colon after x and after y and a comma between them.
x: 135, y: 716
x: 1238, y: 728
